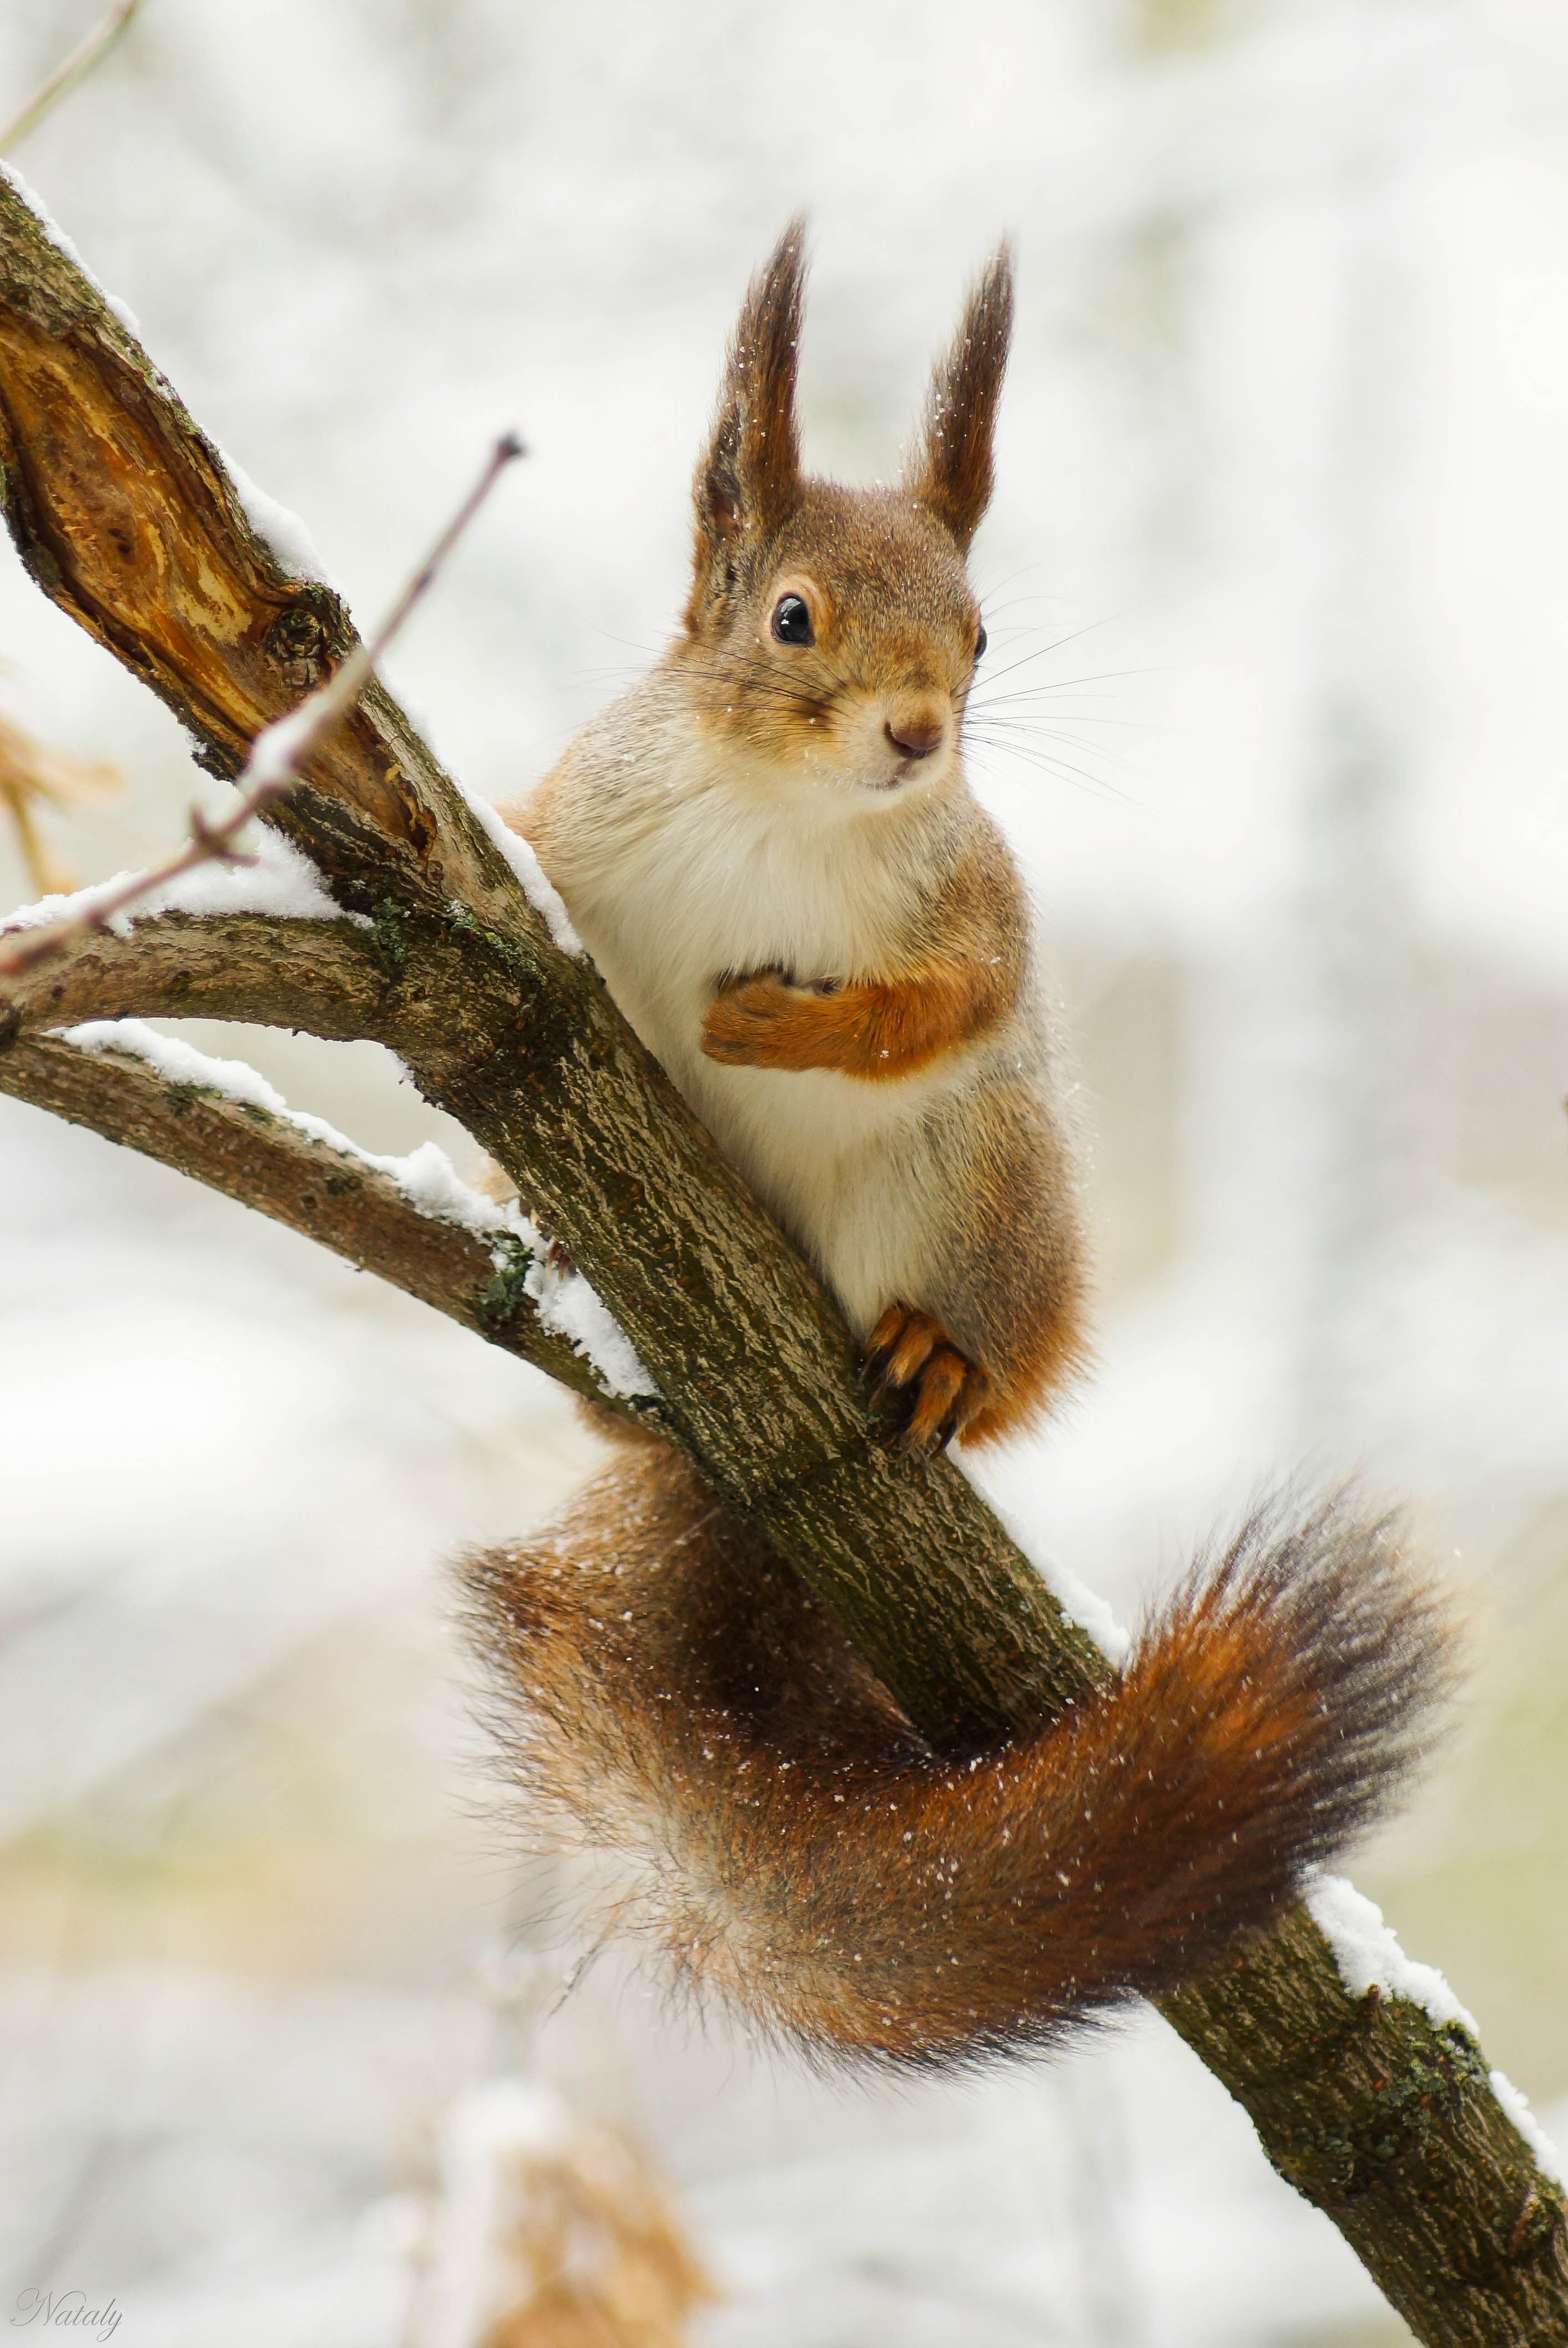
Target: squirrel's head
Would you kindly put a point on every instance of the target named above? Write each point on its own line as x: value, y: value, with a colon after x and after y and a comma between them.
x: 832, y: 634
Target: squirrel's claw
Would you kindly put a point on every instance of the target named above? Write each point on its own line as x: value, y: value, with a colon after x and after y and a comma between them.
x: 909, y: 1351
x: 899, y: 1347
x: 975, y: 1394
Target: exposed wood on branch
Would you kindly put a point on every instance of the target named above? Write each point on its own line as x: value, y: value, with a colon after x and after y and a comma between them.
x: 270, y: 769
x: 127, y: 519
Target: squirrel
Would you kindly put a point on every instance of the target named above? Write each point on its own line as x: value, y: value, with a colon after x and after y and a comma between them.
x: 770, y: 849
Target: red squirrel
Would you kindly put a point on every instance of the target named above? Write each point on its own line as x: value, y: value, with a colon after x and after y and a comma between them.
x: 771, y: 849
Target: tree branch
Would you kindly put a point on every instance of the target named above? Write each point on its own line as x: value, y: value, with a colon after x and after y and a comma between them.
x: 328, y: 1194
x: 714, y: 1303
x: 269, y: 771
x: 332, y: 979
x: 127, y: 519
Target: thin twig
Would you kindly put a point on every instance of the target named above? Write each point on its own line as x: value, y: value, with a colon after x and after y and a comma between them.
x: 80, y: 63
x: 276, y: 755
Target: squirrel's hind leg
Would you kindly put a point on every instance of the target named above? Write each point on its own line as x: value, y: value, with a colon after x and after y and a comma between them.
x: 909, y: 1351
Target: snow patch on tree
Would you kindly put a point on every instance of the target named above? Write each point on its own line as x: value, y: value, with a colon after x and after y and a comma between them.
x: 567, y: 1305
x: 545, y: 899
x: 280, y: 882
x: 1369, y: 1956
x: 57, y: 237
x: 280, y: 530
x: 1547, y: 2160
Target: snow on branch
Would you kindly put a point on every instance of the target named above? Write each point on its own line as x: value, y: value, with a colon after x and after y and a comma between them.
x: 1547, y: 2160
x: 566, y: 1304
x: 545, y: 900
x: 275, y: 880
x: 1368, y: 1955
x: 411, y: 1220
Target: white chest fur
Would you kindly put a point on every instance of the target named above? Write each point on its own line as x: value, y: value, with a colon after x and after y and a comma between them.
x: 671, y: 889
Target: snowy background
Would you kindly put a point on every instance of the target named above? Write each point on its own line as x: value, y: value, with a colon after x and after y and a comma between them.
x: 1277, y: 610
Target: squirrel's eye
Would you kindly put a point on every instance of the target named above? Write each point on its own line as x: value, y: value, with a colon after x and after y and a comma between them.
x: 792, y: 621
x: 980, y: 643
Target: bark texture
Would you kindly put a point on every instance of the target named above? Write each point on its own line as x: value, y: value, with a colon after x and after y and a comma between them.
x: 1390, y: 2127
x: 326, y: 1194
x: 127, y: 519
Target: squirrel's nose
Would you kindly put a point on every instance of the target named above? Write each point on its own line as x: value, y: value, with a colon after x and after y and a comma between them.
x: 914, y: 734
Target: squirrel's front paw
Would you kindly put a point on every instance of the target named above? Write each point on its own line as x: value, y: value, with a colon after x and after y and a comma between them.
x: 760, y: 1019
x: 743, y: 1016
x: 910, y: 1352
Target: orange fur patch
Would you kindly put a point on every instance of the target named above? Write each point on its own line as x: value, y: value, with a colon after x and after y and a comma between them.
x: 1049, y: 1352
x: 873, y: 1032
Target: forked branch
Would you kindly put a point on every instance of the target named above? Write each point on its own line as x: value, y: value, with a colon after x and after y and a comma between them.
x: 271, y: 768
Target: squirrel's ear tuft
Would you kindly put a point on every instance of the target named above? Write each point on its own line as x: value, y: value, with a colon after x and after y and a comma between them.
x: 950, y: 472
x: 748, y: 482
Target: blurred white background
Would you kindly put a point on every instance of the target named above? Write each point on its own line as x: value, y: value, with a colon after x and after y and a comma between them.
x: 1277, y: 610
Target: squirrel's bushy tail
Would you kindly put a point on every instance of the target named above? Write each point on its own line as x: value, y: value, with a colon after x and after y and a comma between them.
x: 672, y: 1690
